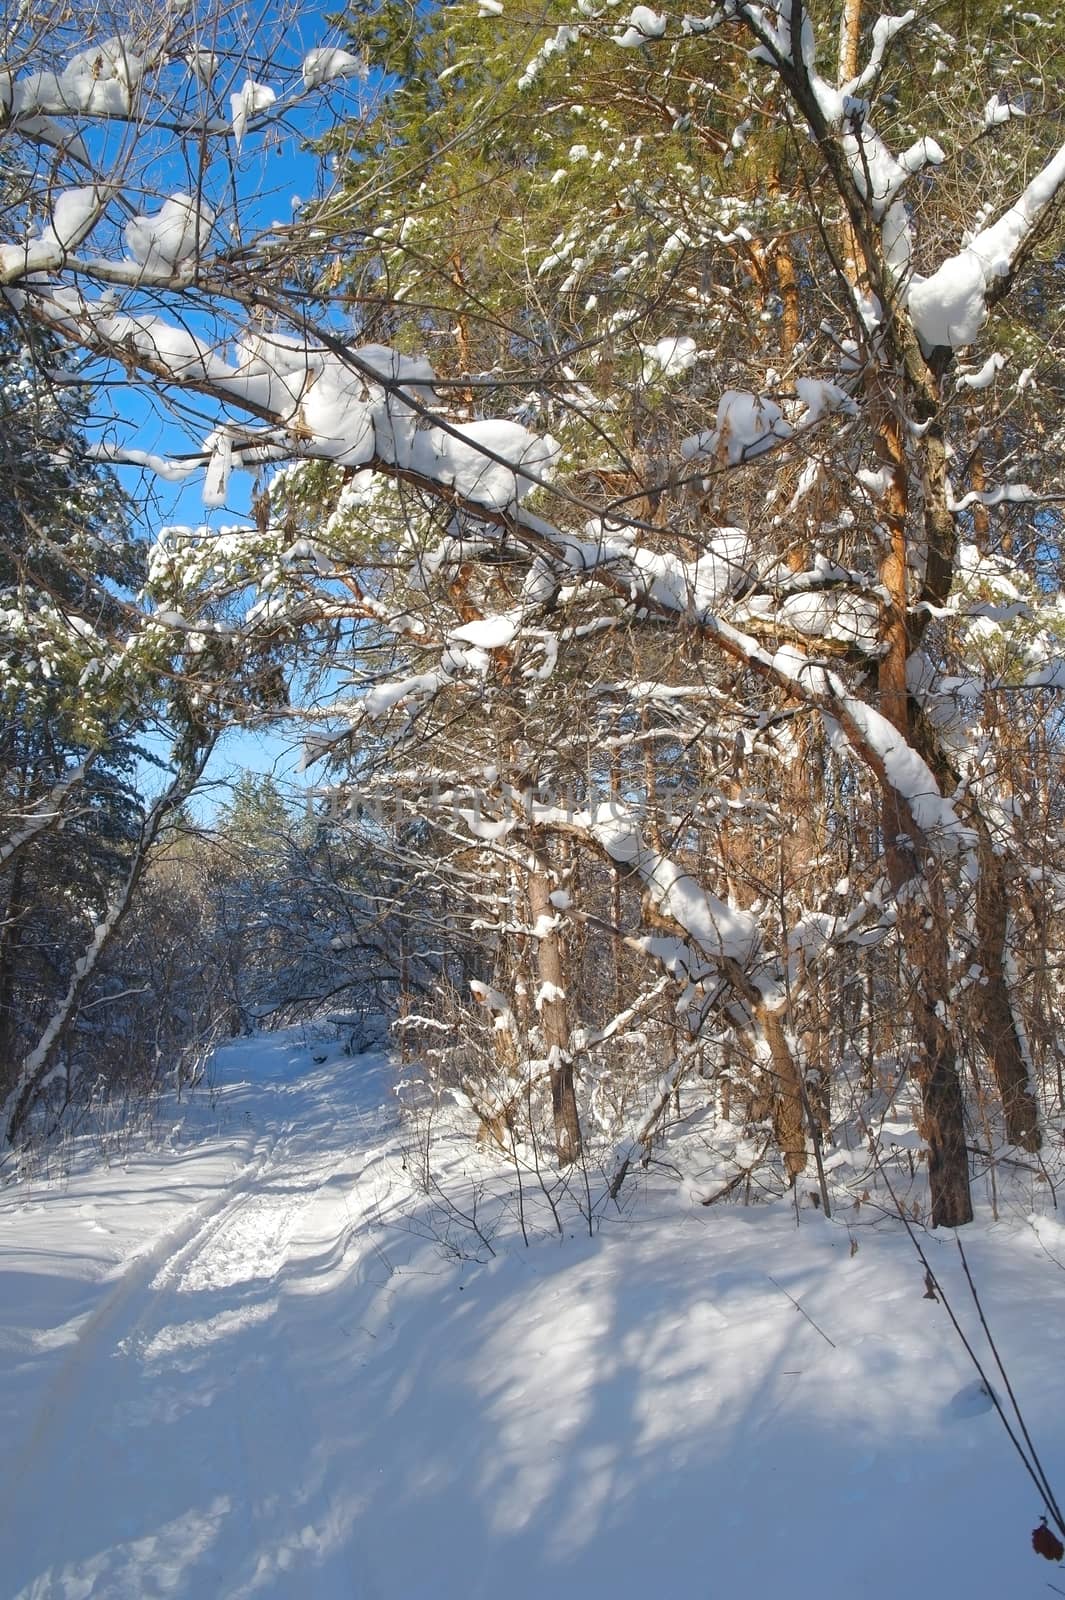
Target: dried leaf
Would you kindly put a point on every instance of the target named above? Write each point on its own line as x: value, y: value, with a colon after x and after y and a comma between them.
x: 929, y: 1285
x: 1046, y: 1543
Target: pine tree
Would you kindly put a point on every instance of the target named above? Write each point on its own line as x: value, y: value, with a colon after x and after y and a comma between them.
x: 68, y: 560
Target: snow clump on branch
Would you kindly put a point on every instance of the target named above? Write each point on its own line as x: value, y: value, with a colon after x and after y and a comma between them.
x: 174, y: 235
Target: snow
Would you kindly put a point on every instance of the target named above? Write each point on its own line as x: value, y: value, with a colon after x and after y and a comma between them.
x: 100, y: 81
x: 1000, y: 108
x: 327, y: 63
x: 1002, y: 494
x: 356, y: 407
x: 43, y: 814
x: 483, y: 827
x: 747, y: 426
x: 74, y: 212
x: 548, y: 994
x: 203, y: 64
x: 885, y: 29
x: 376, y: 702
x: 721, y: 931
x: 1049, y: 676
x: 643, y: 24
x: 485, y: 995
x: 490, y: 633
x: 697, y: 587
x: 821, y: 398
x: 480, y: 459
x: 219, y: 465
x: 950, y: 307
x: 252, y: 99
x: 911, y: 777
x: 73, y: 216
x: 668, y: 358
x: 161, y: 466
x: 241, y: 1362
x: 352, y: 418
x: 833, y: 614
x: 174, y: 235
x: 985, y: 375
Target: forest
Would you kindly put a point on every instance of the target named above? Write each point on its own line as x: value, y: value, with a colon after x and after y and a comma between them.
x: 631, y: 474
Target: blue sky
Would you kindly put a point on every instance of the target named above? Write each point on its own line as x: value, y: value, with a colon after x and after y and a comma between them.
x: 273, y: 173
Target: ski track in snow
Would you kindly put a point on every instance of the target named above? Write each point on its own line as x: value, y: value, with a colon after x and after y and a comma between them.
x: 245, y: 1368
x: 183, y: 1342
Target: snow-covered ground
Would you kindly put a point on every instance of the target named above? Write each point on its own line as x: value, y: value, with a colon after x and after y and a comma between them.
x: 257, y: 1359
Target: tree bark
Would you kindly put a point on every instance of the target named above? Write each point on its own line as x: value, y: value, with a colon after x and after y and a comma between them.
x: 554, y: 1012
x: 921, y: 924
x: 789, y: 1129
x: 920, y: 907
x: 10, y: 940
x: 996, y: 1025
x: 850, y: 27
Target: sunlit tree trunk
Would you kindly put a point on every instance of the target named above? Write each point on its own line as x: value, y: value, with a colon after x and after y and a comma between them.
x: 919, y: 900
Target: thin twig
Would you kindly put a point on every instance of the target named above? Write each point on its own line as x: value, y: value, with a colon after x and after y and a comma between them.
x: 934, y: 1283
x: 1048, y: 1492
x: 798, y: 1307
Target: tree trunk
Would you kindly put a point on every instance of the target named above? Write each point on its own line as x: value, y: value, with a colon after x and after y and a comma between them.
x: 807, y: 799
x: 782, y: 1099
x: 850, y: 27
x: 10, y: 940
x: 935, y: 1066
x: 919, y: 903
x: 789, y: 1129
x: 995, y: 1022
x: 552, y: 1005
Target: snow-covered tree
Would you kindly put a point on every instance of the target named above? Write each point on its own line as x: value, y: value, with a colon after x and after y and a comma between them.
x: 67, y: 559
x: 699, y: 537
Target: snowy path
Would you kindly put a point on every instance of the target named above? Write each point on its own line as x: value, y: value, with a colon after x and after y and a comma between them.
x: 159, y: 1456
x: 240, y: 1367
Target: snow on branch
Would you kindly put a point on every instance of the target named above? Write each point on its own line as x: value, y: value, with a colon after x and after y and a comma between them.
x: 122, y: 78
x: 907, y: 774
x: 73, y: 217
x: 47, y: 812
x: 885, y: 30
x: 175, y: 235
x: 950, y: 307
x: 719, y: 931
x: 327, y: 64
x: 356, y: 407
x: 371, y: 407
x: 102, y: 81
